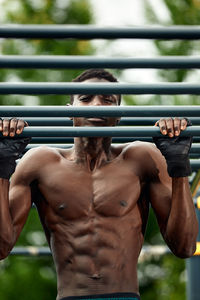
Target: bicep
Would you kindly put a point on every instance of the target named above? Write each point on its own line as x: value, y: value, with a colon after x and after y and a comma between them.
x: 19, y: 204
x: 20, y: 197
x: 160, y: 192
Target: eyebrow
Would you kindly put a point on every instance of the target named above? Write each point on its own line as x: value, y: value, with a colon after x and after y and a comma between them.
x: 111, y: 95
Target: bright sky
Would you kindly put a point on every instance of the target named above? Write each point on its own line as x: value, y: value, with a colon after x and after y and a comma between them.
x: 126, y: 13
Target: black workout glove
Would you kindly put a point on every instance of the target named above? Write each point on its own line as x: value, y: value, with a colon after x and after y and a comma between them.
x: 176, y: 152
x: 10, y: 150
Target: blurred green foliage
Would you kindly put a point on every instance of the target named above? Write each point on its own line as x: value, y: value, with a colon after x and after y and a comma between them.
x: 181, y: 12
x: 24, y: 278
x: 43, y: 12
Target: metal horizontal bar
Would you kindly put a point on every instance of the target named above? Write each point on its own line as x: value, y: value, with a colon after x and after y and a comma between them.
x: 100, y: 111
x: 101, y: 131
x: 55, y: 140
x: 195, y: 164
x: 31, y: 251
x: 124, y: 121
x: 94, y: 32
x: 45, y: 251
x: 61, y: 88
x: 78, y: 62
x: 195, y: 149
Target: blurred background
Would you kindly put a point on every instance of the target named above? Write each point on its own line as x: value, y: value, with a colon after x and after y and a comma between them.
x: 160, y: 277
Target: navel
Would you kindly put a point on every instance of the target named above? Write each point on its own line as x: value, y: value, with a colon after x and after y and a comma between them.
x: 62, y: 206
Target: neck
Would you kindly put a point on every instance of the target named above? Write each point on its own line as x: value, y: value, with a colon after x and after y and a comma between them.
x: 92, y: 152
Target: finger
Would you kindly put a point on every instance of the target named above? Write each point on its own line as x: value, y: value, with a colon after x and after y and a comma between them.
x: 162, y: 125
x: 177, y: 126
x: 170, y: 127
x: 157, y: 123
x: 6, y: 127
x: 20, y: 126
x: 183, y: 124
x: 13, y: 123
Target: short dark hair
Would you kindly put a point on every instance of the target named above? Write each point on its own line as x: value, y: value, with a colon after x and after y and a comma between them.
x: 95, y: 73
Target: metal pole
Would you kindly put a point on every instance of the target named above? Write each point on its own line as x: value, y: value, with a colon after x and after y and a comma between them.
x: 93, y: 32
x: 78, y: 62
x: 61, y: 88
x: 195, y: 149
x: 142, y: 131
x: 124, y: 121
x: 193, y: 267
x: 55, y: 140
x: 103, y: 111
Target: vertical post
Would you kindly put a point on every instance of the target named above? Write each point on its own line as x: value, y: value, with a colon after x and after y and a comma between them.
x: 193, y: 263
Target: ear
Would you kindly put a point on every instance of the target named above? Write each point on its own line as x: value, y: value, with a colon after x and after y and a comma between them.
x: 68, y: 104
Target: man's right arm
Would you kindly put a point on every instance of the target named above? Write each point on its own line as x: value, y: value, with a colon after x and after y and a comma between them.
x: 15, y: 199
x: 14, y: 208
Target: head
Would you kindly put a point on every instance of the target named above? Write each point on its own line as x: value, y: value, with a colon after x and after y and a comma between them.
x: 100, y: 74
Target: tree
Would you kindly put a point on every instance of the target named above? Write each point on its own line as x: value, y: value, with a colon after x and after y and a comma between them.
x: 43, y: 12
x: 181, y: 12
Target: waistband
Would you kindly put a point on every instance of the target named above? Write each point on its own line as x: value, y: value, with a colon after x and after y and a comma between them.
x: 113, y: 296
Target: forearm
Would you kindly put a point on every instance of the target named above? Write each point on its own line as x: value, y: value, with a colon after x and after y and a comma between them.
x: 6, y: 225
x: 182, y: 226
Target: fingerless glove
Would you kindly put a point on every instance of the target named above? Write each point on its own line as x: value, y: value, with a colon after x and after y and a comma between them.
x: 176, y: 152
x: 10, y: 150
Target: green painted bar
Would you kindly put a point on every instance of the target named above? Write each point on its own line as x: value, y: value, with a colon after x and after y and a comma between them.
x: 94, y: 32
x: 85, y: 62
x: 195, y: 149
x: 192, y: 264
x: 100, y: 111
x: 124, y: 121
x: 141, y: 131
x: 55, y: 140
x: 61, y: 88
x: 52, y: 140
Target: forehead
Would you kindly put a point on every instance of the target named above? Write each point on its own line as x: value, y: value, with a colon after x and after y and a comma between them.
x: 93, y: 80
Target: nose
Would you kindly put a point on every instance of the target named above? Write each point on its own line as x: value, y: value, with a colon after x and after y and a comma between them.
x: 96, y: 100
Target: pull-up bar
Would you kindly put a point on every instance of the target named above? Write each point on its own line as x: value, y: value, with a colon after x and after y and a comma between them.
x: 123, y: 122
x: 195, y: 148
x: 66, y: 88
x: 55, y: 140
x: 93, y: 32
x: 101, y: 111
x: 142, y: 131
x: 78, y: 62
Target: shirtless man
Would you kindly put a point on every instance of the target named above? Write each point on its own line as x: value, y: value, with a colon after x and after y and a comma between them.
x: 93, y: 200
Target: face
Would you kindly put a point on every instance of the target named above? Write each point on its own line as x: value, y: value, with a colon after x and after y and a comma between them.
x: 95, y: 100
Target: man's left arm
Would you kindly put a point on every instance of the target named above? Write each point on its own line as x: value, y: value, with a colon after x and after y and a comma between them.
x: 170, y: 194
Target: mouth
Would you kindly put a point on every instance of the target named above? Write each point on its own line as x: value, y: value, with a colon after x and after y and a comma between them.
x: 97, y: 120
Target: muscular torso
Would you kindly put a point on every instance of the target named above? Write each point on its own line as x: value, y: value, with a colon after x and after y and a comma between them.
x: 95, y: 222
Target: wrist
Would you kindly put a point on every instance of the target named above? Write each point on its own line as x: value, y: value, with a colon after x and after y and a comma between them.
x: 179, y: 167
x: 7, y: 168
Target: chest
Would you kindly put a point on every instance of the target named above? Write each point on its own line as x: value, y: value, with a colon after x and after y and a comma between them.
x: 73, y: 192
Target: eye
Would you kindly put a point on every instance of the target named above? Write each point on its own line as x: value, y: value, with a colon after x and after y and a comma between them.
x: 84, y: 98
x: 108, y: 99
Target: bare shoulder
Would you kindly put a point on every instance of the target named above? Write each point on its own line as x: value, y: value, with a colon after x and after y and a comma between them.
x: 139, y: 149
x: 145, y: 155
x: 39, y: 155
x: 30, y: 164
